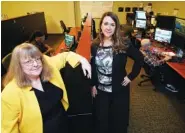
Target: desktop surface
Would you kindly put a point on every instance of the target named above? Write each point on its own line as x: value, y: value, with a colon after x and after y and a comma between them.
x: 178, y: 66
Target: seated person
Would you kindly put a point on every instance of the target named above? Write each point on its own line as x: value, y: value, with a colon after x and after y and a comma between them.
x: 127, y: 30
x: 153, y: 56
x: 37, y: 38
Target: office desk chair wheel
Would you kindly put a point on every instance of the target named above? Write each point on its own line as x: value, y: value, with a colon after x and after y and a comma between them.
x: 144, y: 76
x: 148, y: 78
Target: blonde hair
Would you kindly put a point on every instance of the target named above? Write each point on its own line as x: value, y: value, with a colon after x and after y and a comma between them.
x: 15, y: 71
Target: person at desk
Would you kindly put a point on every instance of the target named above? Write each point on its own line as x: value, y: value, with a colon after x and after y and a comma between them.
x: 37, y: 38
x: 110, y: 81
x: 153, y: 56
x: 149, y: 13
x: 154, y: 60
x: 34, y: 98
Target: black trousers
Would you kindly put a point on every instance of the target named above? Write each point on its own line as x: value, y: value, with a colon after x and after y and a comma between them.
x: 111, y: 112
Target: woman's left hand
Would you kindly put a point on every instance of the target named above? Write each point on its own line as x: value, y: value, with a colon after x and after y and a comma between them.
x: 86, y: 67
x: 126, y: 81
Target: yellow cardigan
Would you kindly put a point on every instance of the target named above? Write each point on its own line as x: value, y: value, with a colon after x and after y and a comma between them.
x: 20, y: 108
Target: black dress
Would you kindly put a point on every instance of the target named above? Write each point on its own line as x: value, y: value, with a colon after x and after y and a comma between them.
x: 54, y: 116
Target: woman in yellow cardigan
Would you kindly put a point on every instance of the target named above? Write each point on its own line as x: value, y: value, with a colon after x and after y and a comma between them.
x: 34, y: 99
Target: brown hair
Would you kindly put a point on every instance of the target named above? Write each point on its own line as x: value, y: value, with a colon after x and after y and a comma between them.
x: 119, y: 42
x: 15, y: 70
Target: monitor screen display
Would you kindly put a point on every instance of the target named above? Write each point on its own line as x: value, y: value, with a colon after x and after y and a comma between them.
x: 162, y: 35
x: 140, y: 15
x: 141, y: 24
x: 180, y: 26
x: 69, y: 40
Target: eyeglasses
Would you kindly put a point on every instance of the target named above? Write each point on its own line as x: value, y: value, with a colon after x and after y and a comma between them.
x: 30, y: 62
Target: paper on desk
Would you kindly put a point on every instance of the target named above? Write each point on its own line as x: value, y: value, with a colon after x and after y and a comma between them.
x: 169, y: 53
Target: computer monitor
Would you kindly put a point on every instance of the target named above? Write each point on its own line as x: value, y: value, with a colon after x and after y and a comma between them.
x: 180, y: 26
x: 141, y: 24
x: 165, y: 22
x: 162, y: 35
x: 140, y: 15
x: 69, y: 40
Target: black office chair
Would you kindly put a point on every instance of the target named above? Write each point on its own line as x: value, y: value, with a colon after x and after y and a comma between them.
x: 152, y: 71
x: 94, y: 34
x: 80, y: 100
x: 65, y: 29
x: 149, y: 74
x: 6, y: 61
x: 153, y: 74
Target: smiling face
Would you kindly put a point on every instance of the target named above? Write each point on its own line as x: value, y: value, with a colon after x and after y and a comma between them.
x: 32, y: 67
x: 108, y: 27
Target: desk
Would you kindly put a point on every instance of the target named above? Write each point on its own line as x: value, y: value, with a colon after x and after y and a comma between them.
x: 62, y: 46
x: 84, y: 43
x: 178, y: 67
x: 173, y: 73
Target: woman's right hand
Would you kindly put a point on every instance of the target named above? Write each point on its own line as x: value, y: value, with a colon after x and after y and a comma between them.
x: 94, y: 91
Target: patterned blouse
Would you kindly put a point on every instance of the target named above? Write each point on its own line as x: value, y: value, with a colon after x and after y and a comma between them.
x: 104, y: 60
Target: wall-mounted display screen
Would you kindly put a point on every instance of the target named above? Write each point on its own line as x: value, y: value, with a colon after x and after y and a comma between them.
x: 134, y: 9
x: 127, y: 9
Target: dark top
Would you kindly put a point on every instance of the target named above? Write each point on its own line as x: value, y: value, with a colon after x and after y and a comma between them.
x: 40, y: 46
x: 53, y: 114
x: 118, y: 66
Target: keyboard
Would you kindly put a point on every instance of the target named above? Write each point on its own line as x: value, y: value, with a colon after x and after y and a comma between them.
x: 159, y: 45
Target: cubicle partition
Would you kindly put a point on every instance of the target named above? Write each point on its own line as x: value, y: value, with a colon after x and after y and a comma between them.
x: 86, y: 39
x: 17, y: 30
x: 77, y: 86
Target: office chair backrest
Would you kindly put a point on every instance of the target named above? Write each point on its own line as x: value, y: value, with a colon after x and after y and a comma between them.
x: 6, y: 61
x: 127, y: 30
x: 64, y: 26
x: 94, y: 34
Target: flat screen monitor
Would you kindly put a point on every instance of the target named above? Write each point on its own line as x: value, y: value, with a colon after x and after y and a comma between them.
x: 180, y: 26
x: 162, y: 35
x: 69, y: 40
x: 141, y: 24
x: 140, y: 15
x: 165, y: 22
